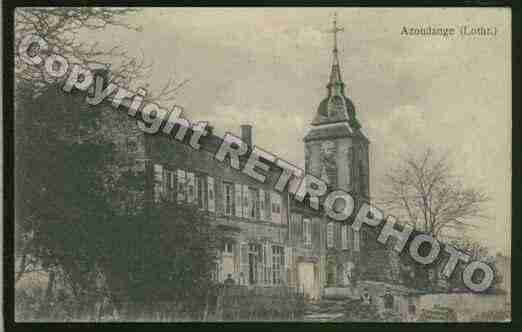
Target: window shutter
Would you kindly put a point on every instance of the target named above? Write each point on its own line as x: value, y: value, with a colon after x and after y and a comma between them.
x: 172, y: 180
x: 309, y: 233
x: 266, y: 276
x: 256, y: 199
x: 164, y: 184
x: 337, y: 232
x: 269, y: 262
x: 239, y: 205
x: 350, y: 237
x: 316, y: 232
x: 329, y: 235
x: 291, y: 229
x: 196, y: 184
x: 173, y: 186
x: 158, y: 173
x: 344, y: 237
x: 300, y: 233
x: 304, y: 236
x: 260, y: 264
x: 287, y: 264
x: 158, y: 180
x: 237, y: 260
x: 356, y: 245
x: 220, y: 267
x: 211, y: 194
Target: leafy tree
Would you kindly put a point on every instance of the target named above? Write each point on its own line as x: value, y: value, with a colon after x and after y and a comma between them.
x: 60, y: 167
x: 82, y: 229
x: 163, y: 255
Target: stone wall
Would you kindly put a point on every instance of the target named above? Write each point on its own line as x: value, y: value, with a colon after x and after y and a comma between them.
x: 467, y: 306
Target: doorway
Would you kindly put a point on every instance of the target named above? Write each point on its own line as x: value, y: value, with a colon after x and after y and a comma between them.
x: 308, y: 281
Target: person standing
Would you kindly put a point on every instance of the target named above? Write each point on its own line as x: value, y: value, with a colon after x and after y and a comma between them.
x: 388, y: 300
x: 366, y: 298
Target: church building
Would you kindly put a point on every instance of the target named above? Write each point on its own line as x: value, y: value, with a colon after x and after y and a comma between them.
x: 277, y: 241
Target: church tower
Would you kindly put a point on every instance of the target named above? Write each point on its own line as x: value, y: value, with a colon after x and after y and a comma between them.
x: 336, y: 150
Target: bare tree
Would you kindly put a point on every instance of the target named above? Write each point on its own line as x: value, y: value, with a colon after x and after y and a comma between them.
x: 475, y: 249
x: 425, y: 193
x: 60, y: 27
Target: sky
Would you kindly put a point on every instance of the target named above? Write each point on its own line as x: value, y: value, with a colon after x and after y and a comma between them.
x: 268, y: 67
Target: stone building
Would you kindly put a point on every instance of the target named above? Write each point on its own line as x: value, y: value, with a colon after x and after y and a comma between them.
x: 281, y: 241
x: 278, y: 240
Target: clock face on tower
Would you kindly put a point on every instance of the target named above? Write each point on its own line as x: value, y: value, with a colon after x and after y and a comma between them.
x: 327, y: 147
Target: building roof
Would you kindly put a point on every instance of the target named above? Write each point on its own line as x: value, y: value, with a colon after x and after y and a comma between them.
x: 336, y: 106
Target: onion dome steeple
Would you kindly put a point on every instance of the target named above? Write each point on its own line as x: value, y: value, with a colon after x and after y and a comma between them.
x: 336, y: 107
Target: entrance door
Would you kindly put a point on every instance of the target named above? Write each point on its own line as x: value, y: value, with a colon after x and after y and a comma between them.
x: 307, y: 279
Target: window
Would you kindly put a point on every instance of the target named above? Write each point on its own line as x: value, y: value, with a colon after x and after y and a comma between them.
x: 356, y: 245
x: 266, y: 262
x: 246, y: 201
x: 344, y: 237
x: 411, y: 307
x: 190, y: 187
x: 227, y: 266
x: 276, y: 207
x: 278, y: 263
x: 254, y: 204
x: 214, y: 272
x: 228, y: 248
x: 307, y: 233
x: 267, y: 206
x: 132, y: 144
x: 254, y: 256
x: 261, y: 200
x: 294, y: 228
x: 201, y: 192
x: 228, y: 197
x: 330, y: 235
x: 182, y: 182
x: 238, y: 201
x: 158, y: 182
x: 211, y: 198
x: 288, y: 263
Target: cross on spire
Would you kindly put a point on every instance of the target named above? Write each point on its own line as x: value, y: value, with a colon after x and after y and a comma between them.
x: 335, y: 30
x: 335, y: 76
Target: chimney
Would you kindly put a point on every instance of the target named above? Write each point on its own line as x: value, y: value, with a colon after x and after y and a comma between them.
x: 246, y: 134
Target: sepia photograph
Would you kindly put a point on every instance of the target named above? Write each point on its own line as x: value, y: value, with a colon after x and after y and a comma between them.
x: 261, y: 164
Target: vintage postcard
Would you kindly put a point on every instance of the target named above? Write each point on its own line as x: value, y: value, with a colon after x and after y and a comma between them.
x: 262, y: 164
